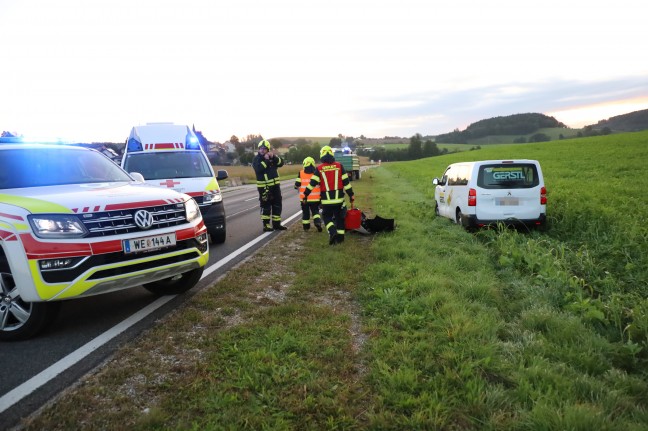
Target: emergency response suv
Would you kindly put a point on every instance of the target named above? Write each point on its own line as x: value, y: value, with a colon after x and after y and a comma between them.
x: 169, y: 155
x: 74, y: 224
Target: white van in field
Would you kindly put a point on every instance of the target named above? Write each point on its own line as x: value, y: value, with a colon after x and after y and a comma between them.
x: 169, y: 155
x: 482, y: 193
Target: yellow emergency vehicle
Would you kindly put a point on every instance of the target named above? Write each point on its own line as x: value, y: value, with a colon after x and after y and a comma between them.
x: 74, y: 224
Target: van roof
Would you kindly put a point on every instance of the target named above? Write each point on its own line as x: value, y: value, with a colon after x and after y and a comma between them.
x: 502, y: 161
x: 162, y: 136
x: 154, y: 133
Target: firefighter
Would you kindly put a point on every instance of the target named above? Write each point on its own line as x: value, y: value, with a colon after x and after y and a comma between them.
x: 333, y: 181
x: 310, y: 206
x: 265, y: 166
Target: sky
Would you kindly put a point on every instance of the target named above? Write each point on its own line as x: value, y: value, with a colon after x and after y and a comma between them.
x: 88, y: 71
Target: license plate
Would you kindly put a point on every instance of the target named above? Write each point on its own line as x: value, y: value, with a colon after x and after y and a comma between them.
x: 507, y: 202
x: 149, y: 243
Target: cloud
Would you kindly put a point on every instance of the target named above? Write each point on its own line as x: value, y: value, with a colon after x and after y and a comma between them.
x: 441, y: 112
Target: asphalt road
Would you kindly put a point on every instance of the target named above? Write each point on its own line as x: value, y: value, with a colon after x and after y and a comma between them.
x: 87, y: 331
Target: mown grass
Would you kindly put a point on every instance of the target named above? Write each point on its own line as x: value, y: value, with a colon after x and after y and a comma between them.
x: 427, y: 327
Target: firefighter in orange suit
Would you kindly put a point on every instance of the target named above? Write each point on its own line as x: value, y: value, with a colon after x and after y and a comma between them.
x: 333, y: 182
x: 310, y: 205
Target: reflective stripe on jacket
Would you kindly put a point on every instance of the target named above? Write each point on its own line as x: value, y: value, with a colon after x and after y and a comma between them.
x: 266, y: 170
x: 333, y: 182
x: 304, y: 181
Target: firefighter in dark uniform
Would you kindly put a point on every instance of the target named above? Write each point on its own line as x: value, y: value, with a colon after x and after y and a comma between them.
x: 333, y: 182
x: 265, y: 166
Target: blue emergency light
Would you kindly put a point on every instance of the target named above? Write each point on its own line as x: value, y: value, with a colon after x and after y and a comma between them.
x: 191, y: 142
x: 133, y: 145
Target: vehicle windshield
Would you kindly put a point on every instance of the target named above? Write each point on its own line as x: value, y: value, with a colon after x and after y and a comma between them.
x: 160, y: 165
x: 509, y: 176
x: 37, y: 167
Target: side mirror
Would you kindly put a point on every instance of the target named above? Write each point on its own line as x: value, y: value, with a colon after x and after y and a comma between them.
x: 221, y: 175
x: 137, y: 177
x: 435, y: 181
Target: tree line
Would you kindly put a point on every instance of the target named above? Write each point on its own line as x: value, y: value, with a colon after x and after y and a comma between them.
x: 517, y: 124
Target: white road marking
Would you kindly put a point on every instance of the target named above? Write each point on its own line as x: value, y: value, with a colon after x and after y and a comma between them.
x: 245, y: 210
x: 28, y: 387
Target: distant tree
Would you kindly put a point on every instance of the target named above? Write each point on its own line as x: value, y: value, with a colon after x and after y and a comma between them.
x: 246, y: 158
x: 234, y: 139
x: 415, y: 149
x: 297, y: 153
x: 336, y: 142
x: 430, y: 149
x: 539, y: 137
x: 301, y: 141
x: 276, y: 143
x: 631, y: 122
x: 246, y: 146
x: 517, y: 124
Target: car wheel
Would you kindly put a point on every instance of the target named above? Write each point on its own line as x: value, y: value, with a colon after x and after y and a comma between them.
x: 436, y: 210
x: 20, y: 320
x: 177, y: 284
x: 217, y: 237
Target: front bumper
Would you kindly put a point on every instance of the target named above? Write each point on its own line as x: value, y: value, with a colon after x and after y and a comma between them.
x: 214, y: 217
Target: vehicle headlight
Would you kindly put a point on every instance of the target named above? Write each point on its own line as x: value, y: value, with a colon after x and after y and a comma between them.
x: 192, y: 211
x: 57, y: 226
x: 212, y: 198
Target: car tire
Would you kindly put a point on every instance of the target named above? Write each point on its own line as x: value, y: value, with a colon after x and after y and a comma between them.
x: 20, y: 320
x: 175, y: 285
x: 218, y: 237
x: 436, y: 209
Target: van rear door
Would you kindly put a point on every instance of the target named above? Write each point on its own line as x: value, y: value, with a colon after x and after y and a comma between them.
x: 509, y: 190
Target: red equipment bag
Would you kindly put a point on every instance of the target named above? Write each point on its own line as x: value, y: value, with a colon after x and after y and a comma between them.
x: 353, y: 218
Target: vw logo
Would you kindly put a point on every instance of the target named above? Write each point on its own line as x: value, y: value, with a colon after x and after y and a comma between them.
x: 143, y: 219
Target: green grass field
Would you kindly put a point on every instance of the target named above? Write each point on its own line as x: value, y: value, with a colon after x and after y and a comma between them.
x: 427, y: 327
x: 452, y: 148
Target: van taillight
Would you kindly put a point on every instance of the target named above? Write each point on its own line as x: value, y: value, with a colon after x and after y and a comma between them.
x: 472, y: 197
x: 543, y: 196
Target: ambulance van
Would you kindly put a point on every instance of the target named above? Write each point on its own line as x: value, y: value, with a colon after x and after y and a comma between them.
x: 483, y: 193
x: 169, y: 155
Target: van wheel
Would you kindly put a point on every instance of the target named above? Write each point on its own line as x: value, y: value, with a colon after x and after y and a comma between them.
x: 459, y: 218
x: 175, y: 285
x: 20, y: 320
x: 436, y: 210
